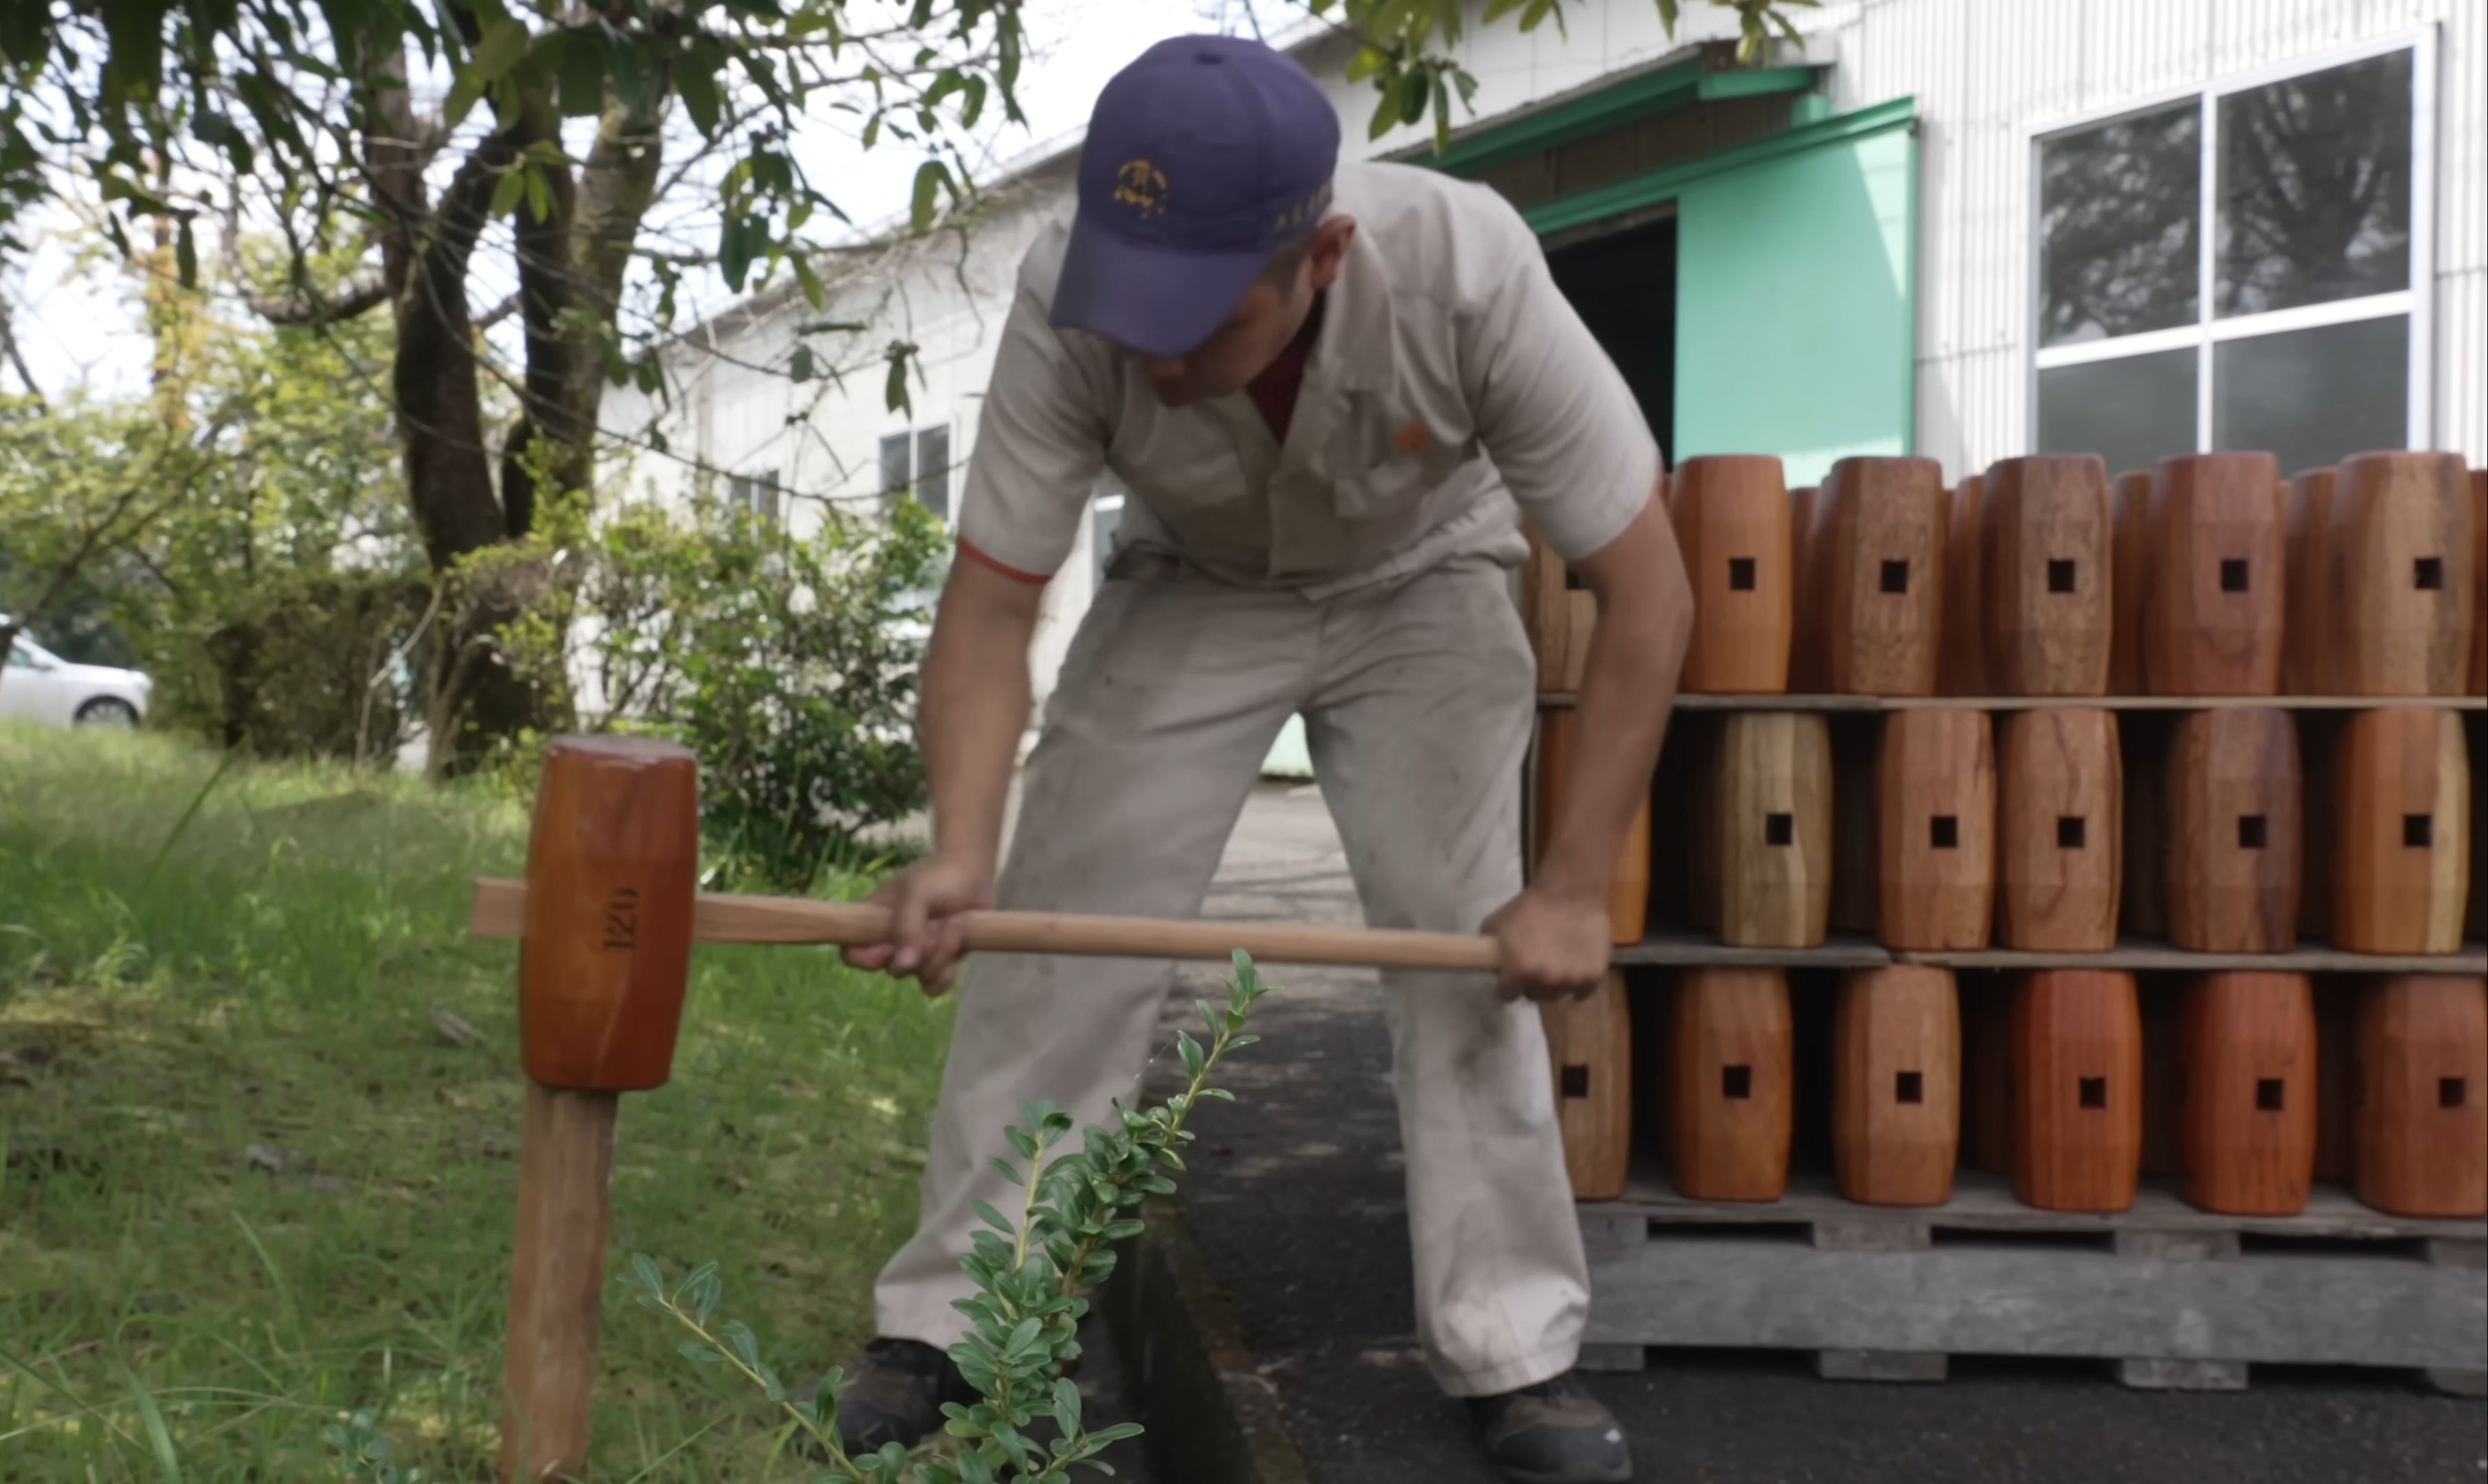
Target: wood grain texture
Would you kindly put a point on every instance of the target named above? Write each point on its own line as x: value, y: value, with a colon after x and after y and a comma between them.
x: 2420, y: 1123
x: 1730, y: 1085
x: 2474, y: 924
x: 1964, y: 619
x: 1733, y: 526
x: 2163, y: 1074
x: 557, y: 1281
x: 2400, y: 557
x: 1772, y: 829
x: 2306, y: 638
x: 1808, y: 635
x: 1881, y: 528
x: 2061, y: 817
x: 2050, y: 580
x: 1628, y: 887
x: 1935, y: 810
x: 1558, y: 613
x: 2478, y: 583
x: 2131, y: 582
x: 2336, y: 1040
x: 2216, y: 555
x: 1852, y: 822
x: 2077, y: 1090
x: 612, y: 866
x: 2251, y: 1090
x: 2142, y: 740
x: 719, y: 917
x: 1588, y: 1046
x: 1896, y: 1086
x: 1986, y: 1069
x: 2401, y: 831
x: 2234, y: 786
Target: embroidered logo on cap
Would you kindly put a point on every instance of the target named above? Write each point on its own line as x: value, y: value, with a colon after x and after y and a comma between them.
x: 1143, y: 187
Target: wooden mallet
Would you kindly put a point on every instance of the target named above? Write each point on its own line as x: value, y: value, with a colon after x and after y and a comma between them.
x: 608, y: 915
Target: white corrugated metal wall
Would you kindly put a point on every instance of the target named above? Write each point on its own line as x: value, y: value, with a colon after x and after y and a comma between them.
x: 1986, y: 73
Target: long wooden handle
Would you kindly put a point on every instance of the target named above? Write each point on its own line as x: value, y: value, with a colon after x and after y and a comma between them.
x: 500, y: 912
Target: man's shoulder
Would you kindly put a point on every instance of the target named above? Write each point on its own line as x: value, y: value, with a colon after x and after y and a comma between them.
x: 1441, y: 237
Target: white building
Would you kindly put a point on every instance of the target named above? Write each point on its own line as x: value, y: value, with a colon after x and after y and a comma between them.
x: 1966, y: 229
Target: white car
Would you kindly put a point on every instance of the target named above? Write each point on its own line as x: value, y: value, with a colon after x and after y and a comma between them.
x: 43, y: 688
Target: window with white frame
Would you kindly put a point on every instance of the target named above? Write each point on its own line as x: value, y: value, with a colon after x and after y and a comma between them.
x: 755, y: 494
x: 1105, y: 519
x: 2244, y: 268
x: 918, y: 462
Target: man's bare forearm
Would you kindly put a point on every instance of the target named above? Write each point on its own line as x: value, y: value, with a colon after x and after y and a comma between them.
x: 976, y: 706
x: 1627, y: 690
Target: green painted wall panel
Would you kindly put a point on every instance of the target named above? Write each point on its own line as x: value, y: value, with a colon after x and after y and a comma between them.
x: 1795, y: 330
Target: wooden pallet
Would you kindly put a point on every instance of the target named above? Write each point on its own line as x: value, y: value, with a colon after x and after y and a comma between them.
x: 2177, y: 1298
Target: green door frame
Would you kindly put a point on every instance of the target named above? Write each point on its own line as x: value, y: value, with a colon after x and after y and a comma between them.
x: 1669, y: 85
x: 1668, y: 181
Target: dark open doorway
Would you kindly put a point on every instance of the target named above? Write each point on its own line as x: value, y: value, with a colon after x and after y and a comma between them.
x: 1623, y: 284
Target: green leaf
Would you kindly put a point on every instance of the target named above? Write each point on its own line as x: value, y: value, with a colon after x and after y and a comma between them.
x: 992, y: 1218
x: 1442, y: 115
x: 1412, y: 94
x: 1194, y: 1059
x: 539, y: 196
x: 504, y: 44
x: 1386, y: 115
x: 1067, y: 1406
x: 931, y: 177
x: 510, y: 191
x: 747, y: 1345
x: 185, y: 255
x: 1370, y: 59
x: 1535, y: 13
x: 581, y: 74
x: 643, y: 1271
x: 695, y: 80
x: 895, y: 389
x: 701, y: 1354
x: 799, y: 366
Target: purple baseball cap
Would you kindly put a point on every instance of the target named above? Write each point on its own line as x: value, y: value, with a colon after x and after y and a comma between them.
x: 1203, y: 157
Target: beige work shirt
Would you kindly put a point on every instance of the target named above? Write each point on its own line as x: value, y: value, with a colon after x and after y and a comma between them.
x: 1449, y: 380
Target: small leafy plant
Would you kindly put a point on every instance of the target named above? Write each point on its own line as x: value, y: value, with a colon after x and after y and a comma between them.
x: 1032, y: 1270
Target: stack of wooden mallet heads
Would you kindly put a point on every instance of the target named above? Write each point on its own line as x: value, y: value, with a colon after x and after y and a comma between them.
x: 2052, y: 824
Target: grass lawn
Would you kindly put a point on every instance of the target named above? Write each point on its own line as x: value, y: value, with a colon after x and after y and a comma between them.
x: 252, y: 1184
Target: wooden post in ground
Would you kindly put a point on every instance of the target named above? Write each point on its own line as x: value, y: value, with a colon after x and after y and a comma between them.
x: 611, y: 866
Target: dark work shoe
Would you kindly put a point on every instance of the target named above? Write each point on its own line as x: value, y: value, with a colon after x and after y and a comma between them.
x: 1553, y: 1433
x: 894, y: 1395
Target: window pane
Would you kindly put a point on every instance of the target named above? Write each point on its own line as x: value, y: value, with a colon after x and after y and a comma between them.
x: 933, y: 469
x: 2133, y: 411
x: 2312, y: 398
x: 2118, y: 207
x: 896, y: 473
x: 2315, y: 187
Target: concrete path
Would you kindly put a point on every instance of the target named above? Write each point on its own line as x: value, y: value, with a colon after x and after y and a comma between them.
x: 1296, y: 1204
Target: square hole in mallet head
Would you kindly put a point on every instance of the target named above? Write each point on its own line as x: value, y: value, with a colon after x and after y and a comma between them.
x: 2418, y: 830
x: 1740, y: 574
x: 1908, y: 1086
x: 1779, y: 829
x: 1576, y: 1080
x: 2250, y: 831
x: 2427, y: 572
x: 2060, y: 575
x: 2094, y: 1092
x: 1943, y: 832
x: 2233, y: 574
x: 2071, y: 828
x: 2268, y: 1094
x: 1736, y: 1082
x: 2450, y: 1091
x: 1896, y: 576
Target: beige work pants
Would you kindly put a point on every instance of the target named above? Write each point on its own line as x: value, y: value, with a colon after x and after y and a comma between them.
x: 1417, y: 706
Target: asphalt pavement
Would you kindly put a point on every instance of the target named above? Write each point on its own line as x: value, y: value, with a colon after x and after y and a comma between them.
x: 1296, y: 1206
